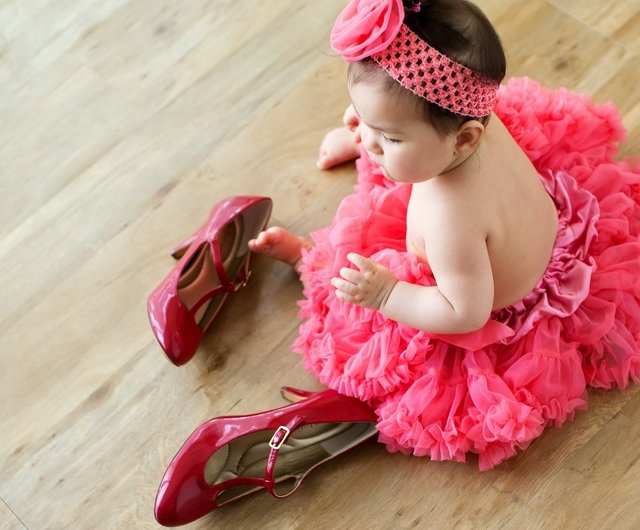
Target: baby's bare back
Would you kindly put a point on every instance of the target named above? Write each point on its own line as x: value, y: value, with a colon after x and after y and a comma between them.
x: 501, y: 192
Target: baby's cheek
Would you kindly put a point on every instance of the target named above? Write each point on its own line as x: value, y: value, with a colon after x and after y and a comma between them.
x: 404, y: 169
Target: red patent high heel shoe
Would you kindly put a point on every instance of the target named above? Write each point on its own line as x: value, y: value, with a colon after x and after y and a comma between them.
x: 213, y: 262
x: 230, y: 457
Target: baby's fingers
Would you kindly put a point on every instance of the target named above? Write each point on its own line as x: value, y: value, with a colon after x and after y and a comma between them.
x: 344, y: 286
x: 350, y: 118
x: 345, y: 290
x: 364, y: 264
x: 350, y: 275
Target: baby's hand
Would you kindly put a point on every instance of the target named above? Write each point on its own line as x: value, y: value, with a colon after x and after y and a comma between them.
x: 369, y: 287
x: 350, y: 118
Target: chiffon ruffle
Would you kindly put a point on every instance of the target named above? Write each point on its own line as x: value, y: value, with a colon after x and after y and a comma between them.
x: 492, y: 391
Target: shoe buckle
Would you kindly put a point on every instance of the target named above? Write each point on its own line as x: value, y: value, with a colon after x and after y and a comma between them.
x: 279, y: 437
x: 242, y: 282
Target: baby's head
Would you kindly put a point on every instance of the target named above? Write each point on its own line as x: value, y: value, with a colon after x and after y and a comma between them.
x: 445, y: 94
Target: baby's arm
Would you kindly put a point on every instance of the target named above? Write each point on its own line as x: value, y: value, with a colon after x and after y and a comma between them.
x: 461, y: 301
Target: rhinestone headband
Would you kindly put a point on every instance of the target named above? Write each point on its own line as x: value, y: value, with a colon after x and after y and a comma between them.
x: 375, y: 28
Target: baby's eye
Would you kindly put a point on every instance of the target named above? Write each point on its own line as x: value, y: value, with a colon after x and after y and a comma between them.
x: 391, y: 140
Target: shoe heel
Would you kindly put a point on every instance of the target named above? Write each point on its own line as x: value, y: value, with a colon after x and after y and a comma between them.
x: 295, y: 395
x: 178, y: 251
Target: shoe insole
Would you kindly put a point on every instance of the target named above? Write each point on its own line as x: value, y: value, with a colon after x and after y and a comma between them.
x: 200, y: 276
x: 305, y: 448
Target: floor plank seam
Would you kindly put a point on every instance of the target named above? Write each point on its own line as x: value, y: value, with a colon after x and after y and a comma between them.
x: 14, y: 513
x: 589, y: 26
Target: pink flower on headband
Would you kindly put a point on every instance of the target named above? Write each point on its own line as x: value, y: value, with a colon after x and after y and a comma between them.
x: 366, y: 27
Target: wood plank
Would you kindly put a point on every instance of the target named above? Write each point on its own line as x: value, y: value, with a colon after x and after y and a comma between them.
x: 618, y: 20
x: 544, y: 43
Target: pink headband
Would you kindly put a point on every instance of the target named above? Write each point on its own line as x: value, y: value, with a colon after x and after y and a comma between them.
x: 375, y: 28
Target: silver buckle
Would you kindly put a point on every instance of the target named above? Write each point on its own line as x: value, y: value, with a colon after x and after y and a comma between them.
x: 242, y: 283
x: 273, y: 443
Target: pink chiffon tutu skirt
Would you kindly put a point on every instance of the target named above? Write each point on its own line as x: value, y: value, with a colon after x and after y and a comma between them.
x: 492, y: 391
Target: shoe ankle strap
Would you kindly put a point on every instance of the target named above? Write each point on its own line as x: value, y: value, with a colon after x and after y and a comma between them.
x: 279, y: 437
x: 225, y: 282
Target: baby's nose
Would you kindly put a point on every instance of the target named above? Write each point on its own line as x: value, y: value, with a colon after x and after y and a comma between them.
x: 371, y: 144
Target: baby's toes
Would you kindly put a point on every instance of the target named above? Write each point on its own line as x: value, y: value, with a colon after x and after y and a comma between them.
x: 274, y: 235
x: 323, y: 162
x: 323, y: 158
x: 260, y: 243
x: 327, y: 159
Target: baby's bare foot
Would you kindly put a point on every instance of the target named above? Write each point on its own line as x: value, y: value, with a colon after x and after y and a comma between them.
x: 280, y: 244
x: 338, y: 146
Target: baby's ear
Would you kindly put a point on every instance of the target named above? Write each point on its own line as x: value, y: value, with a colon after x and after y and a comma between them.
x: 469, y: 136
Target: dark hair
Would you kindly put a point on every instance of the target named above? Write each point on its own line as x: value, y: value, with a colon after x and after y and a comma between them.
x: 461, y: 31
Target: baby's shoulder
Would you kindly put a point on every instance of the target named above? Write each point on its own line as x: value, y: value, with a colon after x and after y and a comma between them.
x: 444, y: 209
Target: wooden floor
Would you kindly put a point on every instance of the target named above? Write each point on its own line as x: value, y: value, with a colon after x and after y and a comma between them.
x: 121, y: 123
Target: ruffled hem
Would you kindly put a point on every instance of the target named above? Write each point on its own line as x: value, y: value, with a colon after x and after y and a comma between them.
x: 493, y: 391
